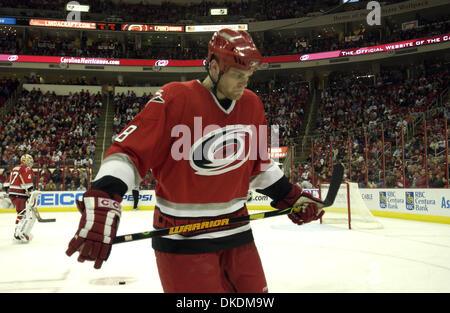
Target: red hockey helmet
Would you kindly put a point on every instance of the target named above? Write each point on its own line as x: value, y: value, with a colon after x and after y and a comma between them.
x: 234, y: 48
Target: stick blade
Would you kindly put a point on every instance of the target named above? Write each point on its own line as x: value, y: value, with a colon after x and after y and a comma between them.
x: 47, y: 220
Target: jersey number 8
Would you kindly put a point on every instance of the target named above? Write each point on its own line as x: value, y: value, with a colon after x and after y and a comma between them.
x: 124, y: 134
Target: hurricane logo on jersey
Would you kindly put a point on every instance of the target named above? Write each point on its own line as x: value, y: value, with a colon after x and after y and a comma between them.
x: 221, y: 150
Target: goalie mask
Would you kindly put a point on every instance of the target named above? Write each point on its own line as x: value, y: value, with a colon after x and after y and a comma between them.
x: 27, y: 160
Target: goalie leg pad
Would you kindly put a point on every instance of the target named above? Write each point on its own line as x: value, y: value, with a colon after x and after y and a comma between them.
x: 24, y: 223
x: 33, y: 199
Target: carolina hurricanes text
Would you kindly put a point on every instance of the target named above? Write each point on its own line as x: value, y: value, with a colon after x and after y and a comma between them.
x: 89, y: 61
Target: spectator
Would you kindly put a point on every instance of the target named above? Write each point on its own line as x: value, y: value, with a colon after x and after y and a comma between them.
x: 421, y: 180
x: 50, y: 186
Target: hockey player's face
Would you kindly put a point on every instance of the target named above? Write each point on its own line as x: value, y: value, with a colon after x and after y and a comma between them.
x: 233, y: 83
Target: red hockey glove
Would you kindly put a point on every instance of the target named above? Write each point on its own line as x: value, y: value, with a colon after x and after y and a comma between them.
x: 307, y: 208
x: 100, y: 216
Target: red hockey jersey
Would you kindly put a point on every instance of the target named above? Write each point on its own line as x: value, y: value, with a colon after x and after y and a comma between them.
x: 20, y: 180
x: 203, y: 157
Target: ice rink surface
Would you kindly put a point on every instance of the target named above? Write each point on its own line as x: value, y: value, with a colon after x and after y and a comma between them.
x: 403, y: 257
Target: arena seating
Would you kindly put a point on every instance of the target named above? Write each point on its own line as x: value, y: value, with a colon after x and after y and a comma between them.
x: 61, y: 132
x: 356, y: 106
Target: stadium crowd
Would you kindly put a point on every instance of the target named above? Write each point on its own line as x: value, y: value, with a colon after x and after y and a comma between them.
x: 360, y: 37
x: 270, y: 43
x: 352, y: 106
x: 7, y: 87
x: 172, y: 12
x: 59, y: 131
x: 126, y: 107
x: 355, y: 108
x: 285, y: 101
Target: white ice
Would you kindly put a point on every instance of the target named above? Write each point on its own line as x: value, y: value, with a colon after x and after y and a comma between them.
x: 405, y: 256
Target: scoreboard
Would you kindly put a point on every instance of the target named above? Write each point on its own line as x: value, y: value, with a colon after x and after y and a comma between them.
x: 108, y: 26
x: 82, y: 25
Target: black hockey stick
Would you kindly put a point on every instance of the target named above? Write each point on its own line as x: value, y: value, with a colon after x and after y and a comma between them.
x: 39, y: 218
x: 45, y: 220
x: 335, y: 184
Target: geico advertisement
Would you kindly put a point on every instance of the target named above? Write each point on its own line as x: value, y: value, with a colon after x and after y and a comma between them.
x: 419, y: 201
x: 67, y: 199
x: 59, y: 199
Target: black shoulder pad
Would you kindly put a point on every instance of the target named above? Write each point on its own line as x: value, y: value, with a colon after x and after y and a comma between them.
x: 277, y: 190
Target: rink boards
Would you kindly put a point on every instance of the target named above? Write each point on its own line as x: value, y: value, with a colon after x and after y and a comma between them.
x: 431, y: 205
x: 61, y: 201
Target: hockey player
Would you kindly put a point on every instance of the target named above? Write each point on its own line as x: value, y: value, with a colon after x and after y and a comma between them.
x: 21, y: 186
x: 202, y: 141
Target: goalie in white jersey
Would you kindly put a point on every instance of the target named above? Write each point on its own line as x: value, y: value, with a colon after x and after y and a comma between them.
x: 204, y: 142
